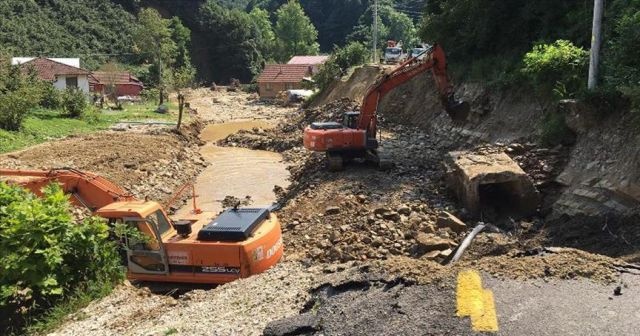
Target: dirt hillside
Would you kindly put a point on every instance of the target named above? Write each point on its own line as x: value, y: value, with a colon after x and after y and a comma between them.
x: 598, y: 183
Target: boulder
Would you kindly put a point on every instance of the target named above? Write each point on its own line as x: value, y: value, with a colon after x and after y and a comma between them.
x: 447, y: 220
x: 332, y: 210
x: 391, y: 215
x: 430, y: 242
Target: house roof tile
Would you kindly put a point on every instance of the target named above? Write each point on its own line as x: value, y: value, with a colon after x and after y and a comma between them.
x: 116, y: 78
x: 308, y: 60
x: 47, y: 69
x: 283, y: 73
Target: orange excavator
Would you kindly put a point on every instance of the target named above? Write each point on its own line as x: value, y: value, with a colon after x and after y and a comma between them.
x: 355, y: 137
x: 208, y: 248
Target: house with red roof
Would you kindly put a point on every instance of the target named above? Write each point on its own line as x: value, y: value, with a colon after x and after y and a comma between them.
x: 62, y: 76
x: 313, y: 61
x: 281, y: 77
x: 116, y: 83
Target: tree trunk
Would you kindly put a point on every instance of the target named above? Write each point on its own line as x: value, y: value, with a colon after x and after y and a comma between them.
x: 180, y: 109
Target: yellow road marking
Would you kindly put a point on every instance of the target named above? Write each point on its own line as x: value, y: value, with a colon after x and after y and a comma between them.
x: 476, y: 302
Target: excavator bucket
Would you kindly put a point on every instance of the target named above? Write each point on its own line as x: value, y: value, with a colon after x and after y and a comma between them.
x: 458, y: 110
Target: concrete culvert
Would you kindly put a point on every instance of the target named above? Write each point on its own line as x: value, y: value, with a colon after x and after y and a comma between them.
x: 500, y: 199
x: 491, y: 185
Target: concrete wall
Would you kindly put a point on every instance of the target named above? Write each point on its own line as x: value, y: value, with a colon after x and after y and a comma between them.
x: 83, y: 83
x: 271, y: 90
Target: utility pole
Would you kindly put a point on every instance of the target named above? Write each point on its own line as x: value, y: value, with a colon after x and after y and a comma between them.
x: 374, y: 32
x: 596, y: 42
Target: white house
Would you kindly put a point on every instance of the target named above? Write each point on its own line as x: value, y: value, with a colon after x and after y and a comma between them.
x: 62, y: 75
x: 74, y: 62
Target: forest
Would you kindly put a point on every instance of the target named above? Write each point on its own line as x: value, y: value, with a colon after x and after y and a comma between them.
x: 486, y: 39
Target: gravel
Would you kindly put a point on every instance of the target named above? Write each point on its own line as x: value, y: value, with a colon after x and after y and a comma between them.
x: 243, y: 307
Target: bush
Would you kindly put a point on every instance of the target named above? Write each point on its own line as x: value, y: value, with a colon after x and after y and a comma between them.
x: 152, y: 95
x: 14, y: 107
x: 18, y: 94
x: 51, y: 97
x: 74, y: 102
x: 353, y: 54
x: 558, y: 68
x: 91, y: 115
x: 44, y: 255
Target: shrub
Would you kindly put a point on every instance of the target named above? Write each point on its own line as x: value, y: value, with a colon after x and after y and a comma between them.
x: 91, y: 115
x: 558, y: 68
x: 353, y: 54
x: 74, y: 102
x: 51, y: 97
x: 152, y: 95
x: 18, y: 94
x: 44, y: 255
x: 14, y: 107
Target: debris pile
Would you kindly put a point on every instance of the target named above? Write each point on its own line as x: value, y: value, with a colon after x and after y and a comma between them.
x: 541, y: 164
x: 147, y: 165
x: 540, y: 263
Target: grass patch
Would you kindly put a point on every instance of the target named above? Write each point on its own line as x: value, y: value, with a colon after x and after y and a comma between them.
x: 43, y: 124
x: 62, y: 311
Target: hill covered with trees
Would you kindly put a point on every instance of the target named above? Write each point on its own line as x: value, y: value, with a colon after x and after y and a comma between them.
x: 94, y: 30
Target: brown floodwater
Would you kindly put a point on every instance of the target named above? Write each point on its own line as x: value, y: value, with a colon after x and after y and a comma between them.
x: 237, y: 172
x: 215, y: 132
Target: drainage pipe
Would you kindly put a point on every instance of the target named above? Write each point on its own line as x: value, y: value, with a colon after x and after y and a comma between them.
x: 466, y: 242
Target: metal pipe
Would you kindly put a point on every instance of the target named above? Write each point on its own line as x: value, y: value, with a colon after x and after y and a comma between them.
x: 466, y: 242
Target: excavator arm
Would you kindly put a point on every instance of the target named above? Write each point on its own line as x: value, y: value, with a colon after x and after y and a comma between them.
x: 88, y: 189
x: 435, y: 61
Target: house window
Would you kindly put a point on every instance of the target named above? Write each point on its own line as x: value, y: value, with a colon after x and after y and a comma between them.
x: 72, y: 82
x: 288, y: 86
x: 268, y: 87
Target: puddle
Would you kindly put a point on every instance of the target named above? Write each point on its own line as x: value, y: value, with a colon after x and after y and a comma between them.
x: 237, y: 171
x: 215, y: 132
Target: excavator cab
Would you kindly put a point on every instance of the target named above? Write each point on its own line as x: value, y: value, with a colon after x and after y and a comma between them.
x: 351, y: 119
x: 146, y: 223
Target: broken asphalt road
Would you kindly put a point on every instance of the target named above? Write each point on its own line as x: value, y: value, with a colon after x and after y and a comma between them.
x: 530, y: 307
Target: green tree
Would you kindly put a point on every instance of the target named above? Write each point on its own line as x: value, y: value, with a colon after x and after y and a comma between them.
x: 295, y: 33
x: 183, y: 72
x: 267, y: 40
x: 45, y: 255
x: 153, y: 39
x: 353, y: 54
x: 19, y: 93
x: 392, y: 25
x: 558, y: 68
x: 231, y: 49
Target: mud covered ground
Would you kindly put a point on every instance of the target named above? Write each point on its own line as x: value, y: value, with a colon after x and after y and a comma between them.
x: 153, y: 164
x: 359, y: 244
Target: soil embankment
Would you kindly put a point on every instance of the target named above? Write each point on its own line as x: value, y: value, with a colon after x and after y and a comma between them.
x: 591, y: 184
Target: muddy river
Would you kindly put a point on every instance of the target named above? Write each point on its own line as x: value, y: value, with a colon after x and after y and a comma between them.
x: 237, y: 172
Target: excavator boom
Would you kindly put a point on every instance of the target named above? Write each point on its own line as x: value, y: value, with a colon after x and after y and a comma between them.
x: 435, y: 61
x: 88, y: 189
x: 357, y: 138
